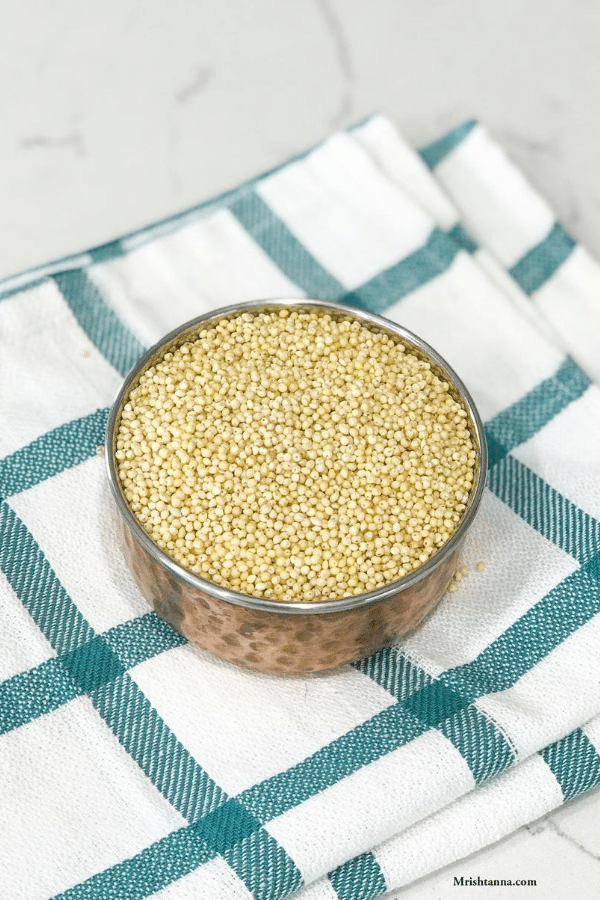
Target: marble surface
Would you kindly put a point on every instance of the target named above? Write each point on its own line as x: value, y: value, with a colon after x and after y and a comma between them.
x: 117, y: 114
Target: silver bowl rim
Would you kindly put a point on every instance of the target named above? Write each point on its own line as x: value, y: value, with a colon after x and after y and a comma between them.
x: 339, y: 310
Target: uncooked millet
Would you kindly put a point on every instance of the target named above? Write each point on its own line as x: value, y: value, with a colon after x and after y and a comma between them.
x: 295, y: 456
x: 460, y: 574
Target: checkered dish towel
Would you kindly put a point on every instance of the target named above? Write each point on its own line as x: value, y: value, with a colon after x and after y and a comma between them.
x: 133, y: 764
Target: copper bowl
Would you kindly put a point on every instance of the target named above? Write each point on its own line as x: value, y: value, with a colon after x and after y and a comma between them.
x: 271, y: 635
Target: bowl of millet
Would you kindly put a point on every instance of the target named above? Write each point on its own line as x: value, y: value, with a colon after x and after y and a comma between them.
x: 294, y: 481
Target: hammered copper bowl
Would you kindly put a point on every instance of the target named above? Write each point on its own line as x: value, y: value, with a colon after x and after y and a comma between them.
x: 270, y: 635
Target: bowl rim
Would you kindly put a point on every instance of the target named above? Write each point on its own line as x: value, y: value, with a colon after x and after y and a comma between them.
x: 339, y: 310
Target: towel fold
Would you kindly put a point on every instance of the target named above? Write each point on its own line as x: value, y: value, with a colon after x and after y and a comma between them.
x: 134, y: 764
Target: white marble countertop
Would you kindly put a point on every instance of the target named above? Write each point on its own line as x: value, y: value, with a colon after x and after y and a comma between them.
x: 118, y: 114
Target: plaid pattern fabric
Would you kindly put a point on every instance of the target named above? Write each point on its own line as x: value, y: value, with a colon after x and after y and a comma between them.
x: 133, y: 764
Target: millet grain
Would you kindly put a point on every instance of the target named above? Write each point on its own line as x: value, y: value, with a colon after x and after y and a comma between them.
x: 295, y: 456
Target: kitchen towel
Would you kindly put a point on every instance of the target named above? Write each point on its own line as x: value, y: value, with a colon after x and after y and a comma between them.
x: 133, y: 764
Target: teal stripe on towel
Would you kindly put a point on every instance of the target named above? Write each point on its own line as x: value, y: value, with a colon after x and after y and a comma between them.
x: 139, y: 639
x: 392, y: 670
x: 405, y: 276
x: 264, y: 866
x: 523, y: 419
x: 157, y: 751
x: 529, y: 640
x: 59, y: 449
x: 461, y: 237
x: 286, y: 251
x: 106, y: 252
x: 10, y: 291
x: 101, y: 323
x: 155, y: 748
x: 574, y: 762
x: 44, y: 688
x: 543, y: 260
x: 148, y: 872
x: 479, y: 741
x: 34, y: 582
x: 384, y: 732
x: 28, y: 695
x: 360, y: 878
x: 545, y: 509
x: 438, y: 150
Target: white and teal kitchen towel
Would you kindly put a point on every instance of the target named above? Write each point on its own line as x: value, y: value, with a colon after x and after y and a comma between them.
x: 133, y: 764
